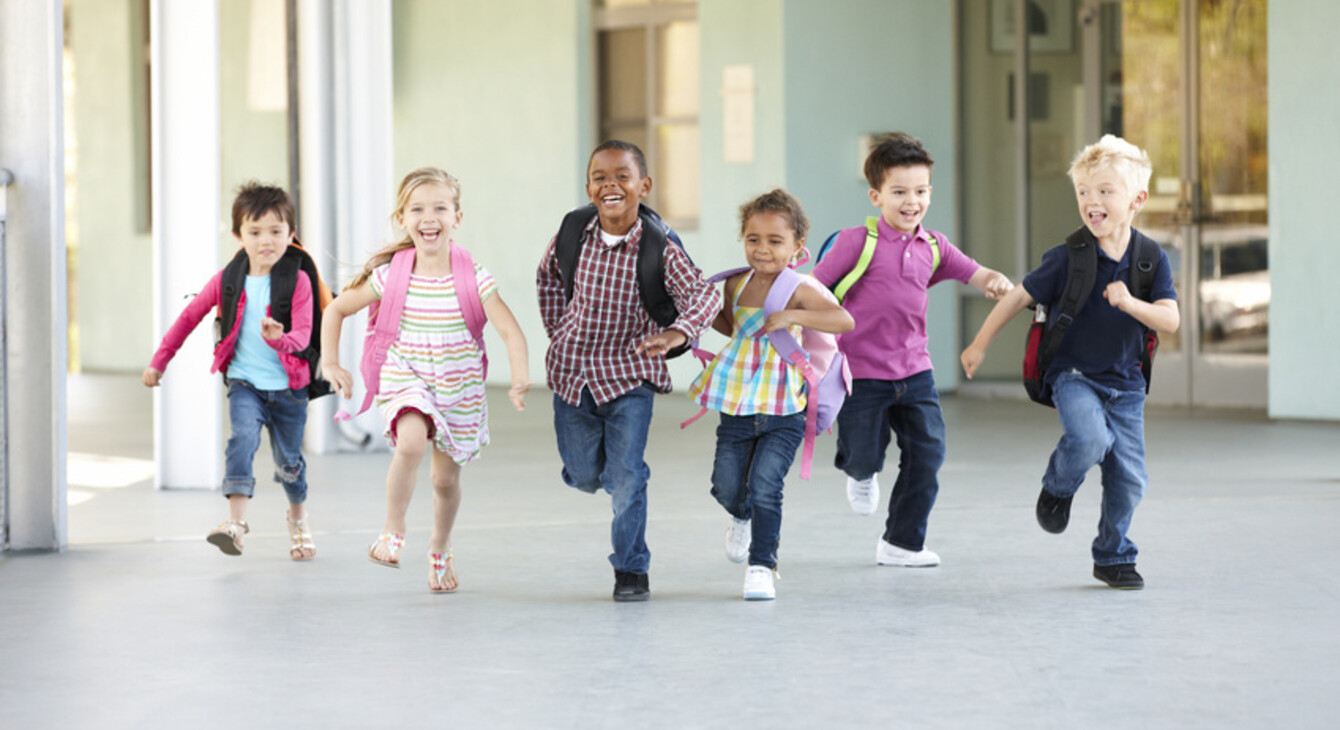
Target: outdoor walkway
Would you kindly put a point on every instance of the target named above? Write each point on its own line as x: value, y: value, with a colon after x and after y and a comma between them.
x: 142, y: 624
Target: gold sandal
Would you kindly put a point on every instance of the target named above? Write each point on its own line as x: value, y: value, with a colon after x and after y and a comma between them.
x: 228, y: 536
x: 300, y: 539
x: 440, y: 564
x: 394, y: 541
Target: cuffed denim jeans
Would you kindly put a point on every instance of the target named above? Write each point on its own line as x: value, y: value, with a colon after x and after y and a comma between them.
x: 753, y: 455
x: 284, y: 414
x: 602, y: 447
x: 1103, y: 426
x: 909, y: 408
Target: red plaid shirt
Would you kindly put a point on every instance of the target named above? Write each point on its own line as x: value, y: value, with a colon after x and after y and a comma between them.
x: 593, y: 338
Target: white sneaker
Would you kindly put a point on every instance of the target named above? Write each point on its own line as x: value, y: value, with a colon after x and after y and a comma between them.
x: 863, y: 494
x: 887, y: 554
x: 738, y: 536
x: 758, y: 584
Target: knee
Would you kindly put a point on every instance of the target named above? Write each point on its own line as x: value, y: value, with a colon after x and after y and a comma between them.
x: 291, y: 473
x: 446, y: 484
x: 1089, y: 447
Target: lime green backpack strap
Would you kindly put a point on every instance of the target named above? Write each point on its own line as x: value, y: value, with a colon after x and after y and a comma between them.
x: 935, y: 251
x: 862, y: 263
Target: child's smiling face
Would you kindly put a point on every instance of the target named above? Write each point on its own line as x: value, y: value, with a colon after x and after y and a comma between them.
x: 770, y: 242
x: 904, y: 196
x: 265, y: 239
x: 616, y: 186
x: 429, y: 216
x: 1107, y: 204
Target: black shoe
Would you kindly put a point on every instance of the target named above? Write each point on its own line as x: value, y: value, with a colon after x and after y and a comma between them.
x: 1053, y: 512
x: 1122, y: 576
x: 630, y: 586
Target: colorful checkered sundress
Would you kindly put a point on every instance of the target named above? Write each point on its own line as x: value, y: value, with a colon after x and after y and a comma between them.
x: 435, y: 367
x: 748, y: 377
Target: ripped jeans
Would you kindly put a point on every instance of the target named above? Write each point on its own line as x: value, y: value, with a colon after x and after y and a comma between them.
x: 284, y: 413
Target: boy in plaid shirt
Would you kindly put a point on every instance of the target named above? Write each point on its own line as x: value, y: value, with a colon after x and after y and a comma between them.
x: 606, y: 357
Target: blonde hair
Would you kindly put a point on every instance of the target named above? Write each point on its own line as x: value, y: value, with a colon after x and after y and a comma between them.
x: 1127, y: 160
x: 412, y: 182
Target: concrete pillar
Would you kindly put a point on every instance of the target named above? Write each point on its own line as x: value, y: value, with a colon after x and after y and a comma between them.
x: 34, y: 306
x: 188, y: 411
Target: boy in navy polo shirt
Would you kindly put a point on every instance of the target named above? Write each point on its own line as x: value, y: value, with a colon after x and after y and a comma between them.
x: 1095, y: 377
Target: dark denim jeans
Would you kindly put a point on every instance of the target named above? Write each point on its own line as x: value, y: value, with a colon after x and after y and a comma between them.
x: 753, y: 456
x: 1105, y: 427
x: 602, y: 447
x: 909, y: 409
x: 284, y: 414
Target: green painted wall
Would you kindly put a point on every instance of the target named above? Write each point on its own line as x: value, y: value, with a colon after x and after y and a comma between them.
x: 868, y: 66
x: 1304, y: 257
x: 489, y: 91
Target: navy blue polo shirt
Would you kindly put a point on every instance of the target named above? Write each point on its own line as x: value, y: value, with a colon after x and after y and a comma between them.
x: 1103, y: 342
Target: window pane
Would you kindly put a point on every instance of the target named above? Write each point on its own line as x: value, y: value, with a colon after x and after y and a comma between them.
x: 675, y: 172
x: 623, y: 77
x: 677, y: 70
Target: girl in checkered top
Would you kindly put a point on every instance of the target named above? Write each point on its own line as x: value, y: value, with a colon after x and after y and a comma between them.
x: 760, y: 396
x: 430, y: 388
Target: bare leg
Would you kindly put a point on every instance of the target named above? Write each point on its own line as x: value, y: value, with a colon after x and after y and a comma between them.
x: 411, y: 445
x: 446, y: 478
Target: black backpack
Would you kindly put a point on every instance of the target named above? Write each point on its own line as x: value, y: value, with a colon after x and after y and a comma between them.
x: 650, y: 261
x: 283, y: 279
x: 1044, y: 338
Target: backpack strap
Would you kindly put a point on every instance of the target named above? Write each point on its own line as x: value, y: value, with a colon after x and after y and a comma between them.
x: 1144, y: 262
x: 863, y: 262
x: 779, y: 294
x: 231, y: 285
x: 384, y: 326
x: 1081, y: 270
x: 467, y: 295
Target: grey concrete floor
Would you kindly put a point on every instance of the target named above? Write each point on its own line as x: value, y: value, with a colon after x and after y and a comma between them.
x: 142, y: 624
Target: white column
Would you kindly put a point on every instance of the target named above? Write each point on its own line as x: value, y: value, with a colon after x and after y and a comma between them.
x: 188, y: 409
x: 364, y: 175
x: 35, y: 316
x: 316, y: 149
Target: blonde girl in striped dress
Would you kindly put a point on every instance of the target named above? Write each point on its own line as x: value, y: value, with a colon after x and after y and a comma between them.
x: 760, y: 396
x: 431, y: 386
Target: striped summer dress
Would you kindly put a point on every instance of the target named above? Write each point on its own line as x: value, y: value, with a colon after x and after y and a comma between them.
x: 435, y: 367
x: 748, y: 377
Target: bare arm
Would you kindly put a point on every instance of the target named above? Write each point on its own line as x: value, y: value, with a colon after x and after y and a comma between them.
x: 332, y: 319
x: 1161, y: 315
x: 990, y: 282
x: 813, y: 308
x: 518, y: 358
x: 1013, y: 303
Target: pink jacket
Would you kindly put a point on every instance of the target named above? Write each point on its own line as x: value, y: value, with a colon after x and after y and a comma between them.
x: 295, y: 340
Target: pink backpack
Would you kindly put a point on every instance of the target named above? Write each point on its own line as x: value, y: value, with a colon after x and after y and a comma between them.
x: 816, y: 356
x: 384, y: 315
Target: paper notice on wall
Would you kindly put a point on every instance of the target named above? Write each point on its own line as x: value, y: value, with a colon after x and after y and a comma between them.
x: 738, y: 113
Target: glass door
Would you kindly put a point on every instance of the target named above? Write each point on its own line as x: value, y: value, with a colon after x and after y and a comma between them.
x: 1187, y: 80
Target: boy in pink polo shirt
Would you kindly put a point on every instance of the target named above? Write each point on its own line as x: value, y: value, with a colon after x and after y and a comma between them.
x: 893, y: 390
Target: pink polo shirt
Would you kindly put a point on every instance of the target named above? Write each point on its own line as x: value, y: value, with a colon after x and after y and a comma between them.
x: 889, y: 301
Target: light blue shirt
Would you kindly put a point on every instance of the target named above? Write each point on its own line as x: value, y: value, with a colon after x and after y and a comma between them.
x: 253, y: 359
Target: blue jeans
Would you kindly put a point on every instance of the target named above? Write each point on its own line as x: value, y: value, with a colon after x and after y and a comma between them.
x: 909, y: 409
x: 602, y: 447
x: 284, y: 413
x: 753, y: 455
x: 1106, y: 427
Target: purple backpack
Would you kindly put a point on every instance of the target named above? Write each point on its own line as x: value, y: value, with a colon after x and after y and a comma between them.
x: 816, y: 357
